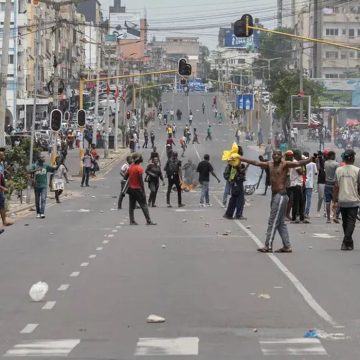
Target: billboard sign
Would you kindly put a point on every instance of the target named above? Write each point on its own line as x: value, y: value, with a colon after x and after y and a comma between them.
x: 251, y: 42
x: 245, y: 101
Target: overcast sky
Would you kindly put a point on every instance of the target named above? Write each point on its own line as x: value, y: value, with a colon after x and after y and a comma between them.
x: 210, y: 14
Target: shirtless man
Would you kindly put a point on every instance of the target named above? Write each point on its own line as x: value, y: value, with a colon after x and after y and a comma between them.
x: 278, y: 178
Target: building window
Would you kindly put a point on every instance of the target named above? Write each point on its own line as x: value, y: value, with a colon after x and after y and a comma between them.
x: 342, y: 76
x: 331, y: 55
x: 358, y: 32
x: 344, y: 32
x: 343, y: 56
x: 351, y: 33
x: 351, y: 55
x: 332, y: 32
x: 331, y: 76
x: 11, y: 59
x: 241, y: 61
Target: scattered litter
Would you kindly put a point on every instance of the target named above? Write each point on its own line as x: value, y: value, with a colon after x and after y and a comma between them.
x: 93, y: 196
x: 113, y: 209
x: 82, y: 329
x: 255, y: 330
x: 225, y: 234
x: 207, y: 224
x: 184, y: 221
x: 163, y: 246
x: 303, y: 232
x: 264, y: 296
x: 310, y: 247
x: 278, y: 287
x: 253, y: 294
x: 38, y: 291
x: 84, y: 210
x: 248, y: 227
x: 52, y: 233
x: 26, y: 224
x: 312, y: 333
x: 101, y: 211
x: 152, y: 319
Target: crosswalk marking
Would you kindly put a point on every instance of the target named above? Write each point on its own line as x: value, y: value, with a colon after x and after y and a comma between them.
x: 295, y: 346
x: 29, y: 328
x: 63, y: 287
x: 44, y: 348
x: 49, y: 305
x: 167, y: 346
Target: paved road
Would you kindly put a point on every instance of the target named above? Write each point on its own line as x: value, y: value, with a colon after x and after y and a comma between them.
x: 221, y: 299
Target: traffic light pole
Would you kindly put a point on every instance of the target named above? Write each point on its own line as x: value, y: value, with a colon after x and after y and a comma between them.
x: 106, y: 148
x: 96, y: 114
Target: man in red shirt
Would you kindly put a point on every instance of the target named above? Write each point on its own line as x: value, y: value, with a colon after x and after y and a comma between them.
x: 136, y: 190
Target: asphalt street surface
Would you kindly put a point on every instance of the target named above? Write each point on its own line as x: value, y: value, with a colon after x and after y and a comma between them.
x: 220, y: 298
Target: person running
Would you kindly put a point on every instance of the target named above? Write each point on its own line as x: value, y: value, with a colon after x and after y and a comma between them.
x: 152, y: 139
x: 136, y: 190
x: 190, y: 117
x: 123, y: 173
x: 278, y: 177
x: 87, y: 164
x: 187, y: 134
x: 209, y: 132
x: 183, y: 145
x: 146, y: 139
x: 173, y: 173
x: 40, y: 171
x: 195, y: 137
x: 154, y: 154
x: 58, y: 179
x: 204, y: 169
x: 347, y: 195
x: 153, y: 177
x: 330, y: 169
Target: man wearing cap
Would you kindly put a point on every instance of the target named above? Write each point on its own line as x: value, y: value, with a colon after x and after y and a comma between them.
x: 136, y: 189
x: 347, y: 195
x: 278, y: 176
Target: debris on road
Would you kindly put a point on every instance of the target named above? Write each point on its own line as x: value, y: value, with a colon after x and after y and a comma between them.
x: 207, y: 224
x: 264, y: 296
x: 184, y: 221
x: 163, y: 246
x: 255, y: 330
x: 248, y: 227
x: 38, y: 291
x: 312, y: 333
x: 155, y: 319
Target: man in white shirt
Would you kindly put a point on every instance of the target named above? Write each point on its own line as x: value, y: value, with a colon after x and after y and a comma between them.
x: 311, y: 171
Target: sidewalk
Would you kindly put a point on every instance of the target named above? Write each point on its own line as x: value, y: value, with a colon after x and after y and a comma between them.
x: 73, y: 164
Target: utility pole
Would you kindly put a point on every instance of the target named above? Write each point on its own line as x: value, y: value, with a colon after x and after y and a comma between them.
x: 96, y: 111
x: 301, y: 82
x: 117, y: 99
x: 316, y: 49
x: 4, y: 70
x: 106, y: 149
x: 279, y: 13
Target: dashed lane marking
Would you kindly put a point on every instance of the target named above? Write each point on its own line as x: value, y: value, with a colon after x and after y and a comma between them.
x: 49, y: 305
x: 75, y: 274
x: 99, y: 248
x: 29, y: 328
x: 84, y: 264
x: 105, y: 242
x: 92, y: 256
x: 167, y: 346
x: 51, y: 348
x: 63, y: 287
x: 297, y: 346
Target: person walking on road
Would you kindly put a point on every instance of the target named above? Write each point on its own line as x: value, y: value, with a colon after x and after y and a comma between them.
x: 124, y: 173
x: 146, y: 139
x: 195, y: 137
x: 190, y: 117
x: 136, y: 190
x: 311, y: 171
x: 152, y: 138
x: 58, y: 179
x: 87, y: 164
x: 183, y: 145
x: 40, y: 171
x: 173, y: 173
x: 330, y: 170
x: 209, y: 132
x: 278, y: 176
x: 347, y: 195
x: 320, y: 162
x: 203, y: 108
x: 153, y: 177
x: 204, y: 169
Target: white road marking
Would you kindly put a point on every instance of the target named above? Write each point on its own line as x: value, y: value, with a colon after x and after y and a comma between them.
x: 63, y: 287
x: 29, y: 328
x: 84, y: 264
x: 75, y: 274
x: 44, y: 348
x: 111, y: 235
x: 167, y: 346
x: 105, y: 242
x: 293, y: 279
x: 49, y: 305
x: 115, y: 231
x: 297, y: 346
x: 323, y: 236
x: 92, y: 256
x: 99, y: 248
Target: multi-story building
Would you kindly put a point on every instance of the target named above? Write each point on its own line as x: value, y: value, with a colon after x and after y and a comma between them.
x: 338, y: 23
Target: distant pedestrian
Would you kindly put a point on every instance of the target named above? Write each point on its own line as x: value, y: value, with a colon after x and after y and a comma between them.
x: 311, y: 172
x: 174, y: 175
x: 136, y: 190
x: 330, y: 169
x: 152, y: 138
x: 347, y: 195
x: 60, y: 174
x: 124, y: 174
x: 146, y: 139
x: 209, y: 133
x: 87, y: 164
x: 195, y: 137
x: 205, y: 169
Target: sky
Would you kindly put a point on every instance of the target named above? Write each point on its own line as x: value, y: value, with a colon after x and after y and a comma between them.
x: 169, y: 17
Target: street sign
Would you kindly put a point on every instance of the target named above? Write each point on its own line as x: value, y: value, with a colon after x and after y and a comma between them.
x: 245, y: 101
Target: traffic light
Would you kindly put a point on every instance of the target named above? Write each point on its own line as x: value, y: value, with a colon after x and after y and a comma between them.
x: 128, y: 115
x: 55, y: 120
x: 81, y: 118
x: 184, y: 69
x: 241, y: 27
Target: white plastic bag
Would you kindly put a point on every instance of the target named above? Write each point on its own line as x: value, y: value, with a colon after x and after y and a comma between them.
x: 38, y: 291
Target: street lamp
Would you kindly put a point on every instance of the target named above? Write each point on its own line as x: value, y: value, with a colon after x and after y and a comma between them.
x: 269, y: 61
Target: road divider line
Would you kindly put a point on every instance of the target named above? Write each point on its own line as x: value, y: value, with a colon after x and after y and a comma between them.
x: 319, y: 310
x: 99, y: 248
x: 29, y: 328
x: 75, y: 274
x: 84, y: 264
x: 49, y: 305
x: 92, y: 256
x: 63, y: 287
x: 105, y: 242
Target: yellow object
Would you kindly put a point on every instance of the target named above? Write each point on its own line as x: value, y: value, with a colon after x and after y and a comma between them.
x: 228, y: 153
x: 234, y: 160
